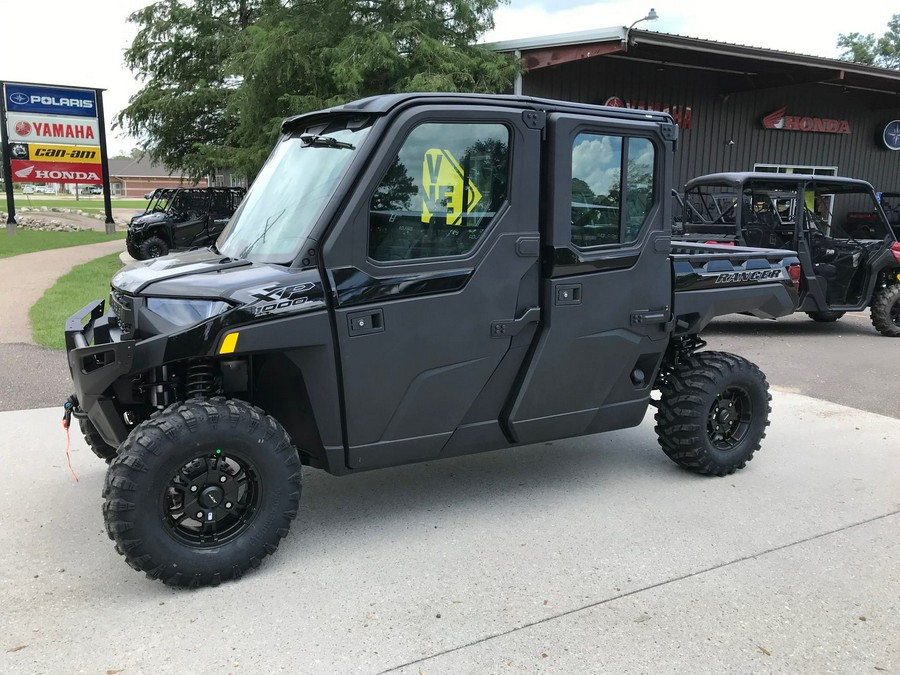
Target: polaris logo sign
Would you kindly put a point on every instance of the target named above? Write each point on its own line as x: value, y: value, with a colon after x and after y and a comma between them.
x: 29, y: 98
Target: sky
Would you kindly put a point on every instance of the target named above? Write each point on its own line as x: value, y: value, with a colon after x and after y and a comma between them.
x: 81, y: 42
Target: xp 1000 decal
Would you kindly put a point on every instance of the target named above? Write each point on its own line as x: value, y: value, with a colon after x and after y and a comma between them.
x: 279, y: 299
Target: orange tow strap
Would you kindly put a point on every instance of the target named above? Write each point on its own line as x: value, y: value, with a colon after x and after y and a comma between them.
x: 65, y: 425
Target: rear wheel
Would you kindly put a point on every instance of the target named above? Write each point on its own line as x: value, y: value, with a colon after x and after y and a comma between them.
x: 101, y: 448
x: 825, y: 317
x: 202, y: 492
x: 886, y: 311
x: 713, y: 413
x: 153, y: 247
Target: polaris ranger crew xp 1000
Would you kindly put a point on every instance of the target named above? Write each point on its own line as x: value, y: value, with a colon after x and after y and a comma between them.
x: 412, y: 277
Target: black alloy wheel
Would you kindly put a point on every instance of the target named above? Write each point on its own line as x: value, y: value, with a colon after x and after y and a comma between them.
x: 712, y: 413
x: 153, y: 247
x: 202, y: 491
x: 729, y: 418
x: 212, y: 499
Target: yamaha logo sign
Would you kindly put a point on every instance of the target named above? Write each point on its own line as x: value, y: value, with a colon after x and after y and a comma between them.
x: 891, y: 135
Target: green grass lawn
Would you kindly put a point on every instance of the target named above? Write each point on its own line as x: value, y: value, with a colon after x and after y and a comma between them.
x: 92, y: 205
x: 29, y: 241
x: 69, y: 294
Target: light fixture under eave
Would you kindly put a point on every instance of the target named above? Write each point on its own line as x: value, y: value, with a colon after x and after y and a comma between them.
x: 651, y: 16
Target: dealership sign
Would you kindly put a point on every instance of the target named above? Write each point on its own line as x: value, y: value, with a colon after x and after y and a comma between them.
x: 823, y: 125
x: 41, y: 152
x: 30, y: 98
x: 52, y: 129
x: 890, y: 136
x: 24, y: 171
x: 682, y: 114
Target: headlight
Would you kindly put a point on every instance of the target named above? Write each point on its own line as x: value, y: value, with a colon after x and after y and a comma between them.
x: 186, y: 312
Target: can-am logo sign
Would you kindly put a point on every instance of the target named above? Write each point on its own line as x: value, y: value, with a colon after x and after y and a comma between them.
x: 822, y: 125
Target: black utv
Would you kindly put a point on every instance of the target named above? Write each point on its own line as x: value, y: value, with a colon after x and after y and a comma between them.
x: 412, y: 277
x: 848, y: 262
x: 179, y: 219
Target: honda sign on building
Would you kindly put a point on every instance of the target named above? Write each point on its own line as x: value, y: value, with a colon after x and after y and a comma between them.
x: 53, y: 134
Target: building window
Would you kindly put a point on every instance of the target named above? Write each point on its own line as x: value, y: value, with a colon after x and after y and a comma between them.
x: 609, y: 205
x: 796, y: 168
x: 441, y: 192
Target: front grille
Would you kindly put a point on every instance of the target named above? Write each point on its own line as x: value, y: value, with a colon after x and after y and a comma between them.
x: 123, y: 307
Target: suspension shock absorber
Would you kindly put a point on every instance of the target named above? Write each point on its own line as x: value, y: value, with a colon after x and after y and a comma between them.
x: 200, y: 380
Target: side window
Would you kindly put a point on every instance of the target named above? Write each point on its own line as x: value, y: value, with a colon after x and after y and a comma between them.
x: 441, y: 192
x: 610, y: 206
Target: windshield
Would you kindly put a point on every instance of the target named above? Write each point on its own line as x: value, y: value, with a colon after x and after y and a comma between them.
x: 289, y: 193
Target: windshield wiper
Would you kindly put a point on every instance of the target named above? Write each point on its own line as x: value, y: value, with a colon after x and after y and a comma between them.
x: 262, y: 235
x: 324, y: 141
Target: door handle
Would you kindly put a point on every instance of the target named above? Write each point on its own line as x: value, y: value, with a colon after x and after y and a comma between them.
x: 504, y: 329
x: 363, y: 323
x: 650, y: 316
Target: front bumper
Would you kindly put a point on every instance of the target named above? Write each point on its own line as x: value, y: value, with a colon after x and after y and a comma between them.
x: 98, y: 357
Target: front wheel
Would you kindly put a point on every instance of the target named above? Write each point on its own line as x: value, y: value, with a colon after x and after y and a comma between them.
x: 202, y: 492
x: 153, y: 247
x: 713, y: 413
x: 825, y: 317
x: 886, y: 311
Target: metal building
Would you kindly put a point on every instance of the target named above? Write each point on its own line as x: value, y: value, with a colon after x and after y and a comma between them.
x: 739, y: 108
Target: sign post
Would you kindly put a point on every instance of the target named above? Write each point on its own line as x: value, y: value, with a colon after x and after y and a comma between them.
x: 7, y: 169
x: 104, y: 163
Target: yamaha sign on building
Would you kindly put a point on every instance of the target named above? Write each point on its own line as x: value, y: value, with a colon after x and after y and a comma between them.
x: 53, y: 134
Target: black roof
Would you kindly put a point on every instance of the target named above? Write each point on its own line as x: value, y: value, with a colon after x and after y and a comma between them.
x: 387, y: 102
x: 738, y: 179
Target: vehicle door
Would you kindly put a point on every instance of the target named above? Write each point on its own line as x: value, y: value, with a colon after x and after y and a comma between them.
x: 607, y: 291
x: 188, y: 210
x: 222, y: 204
x: 434, y: 270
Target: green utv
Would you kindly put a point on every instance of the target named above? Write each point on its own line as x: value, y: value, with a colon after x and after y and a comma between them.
x: 412, y: 277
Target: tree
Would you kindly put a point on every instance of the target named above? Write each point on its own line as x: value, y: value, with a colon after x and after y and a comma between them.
x: 182, y: 53
x: 883, y: 52
x: 220, y: 75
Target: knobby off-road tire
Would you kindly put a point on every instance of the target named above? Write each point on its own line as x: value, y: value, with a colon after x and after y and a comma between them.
x: 152, y: 247
x: 133, y: 250
x: 713, y: 413
x: 886, y: 311
x: 95, y: 441
x: 202, y: 492
x: 825, y: 317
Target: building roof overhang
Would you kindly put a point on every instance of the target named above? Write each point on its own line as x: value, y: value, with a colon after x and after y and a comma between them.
x: 750, y: 68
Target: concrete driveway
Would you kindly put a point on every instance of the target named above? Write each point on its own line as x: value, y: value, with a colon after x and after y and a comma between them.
x: 584, y: 556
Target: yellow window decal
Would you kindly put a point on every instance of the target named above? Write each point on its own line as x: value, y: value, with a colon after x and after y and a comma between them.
x: 446, y: 189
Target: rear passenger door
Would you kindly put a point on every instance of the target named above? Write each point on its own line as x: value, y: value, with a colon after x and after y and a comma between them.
x: 434, y: 270
x: 607, y: 289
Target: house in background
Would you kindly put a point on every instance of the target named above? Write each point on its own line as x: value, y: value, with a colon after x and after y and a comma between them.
x: 137, y: 177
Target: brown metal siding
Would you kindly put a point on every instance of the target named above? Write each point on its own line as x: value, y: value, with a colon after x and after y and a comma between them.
x: 719, y: 118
